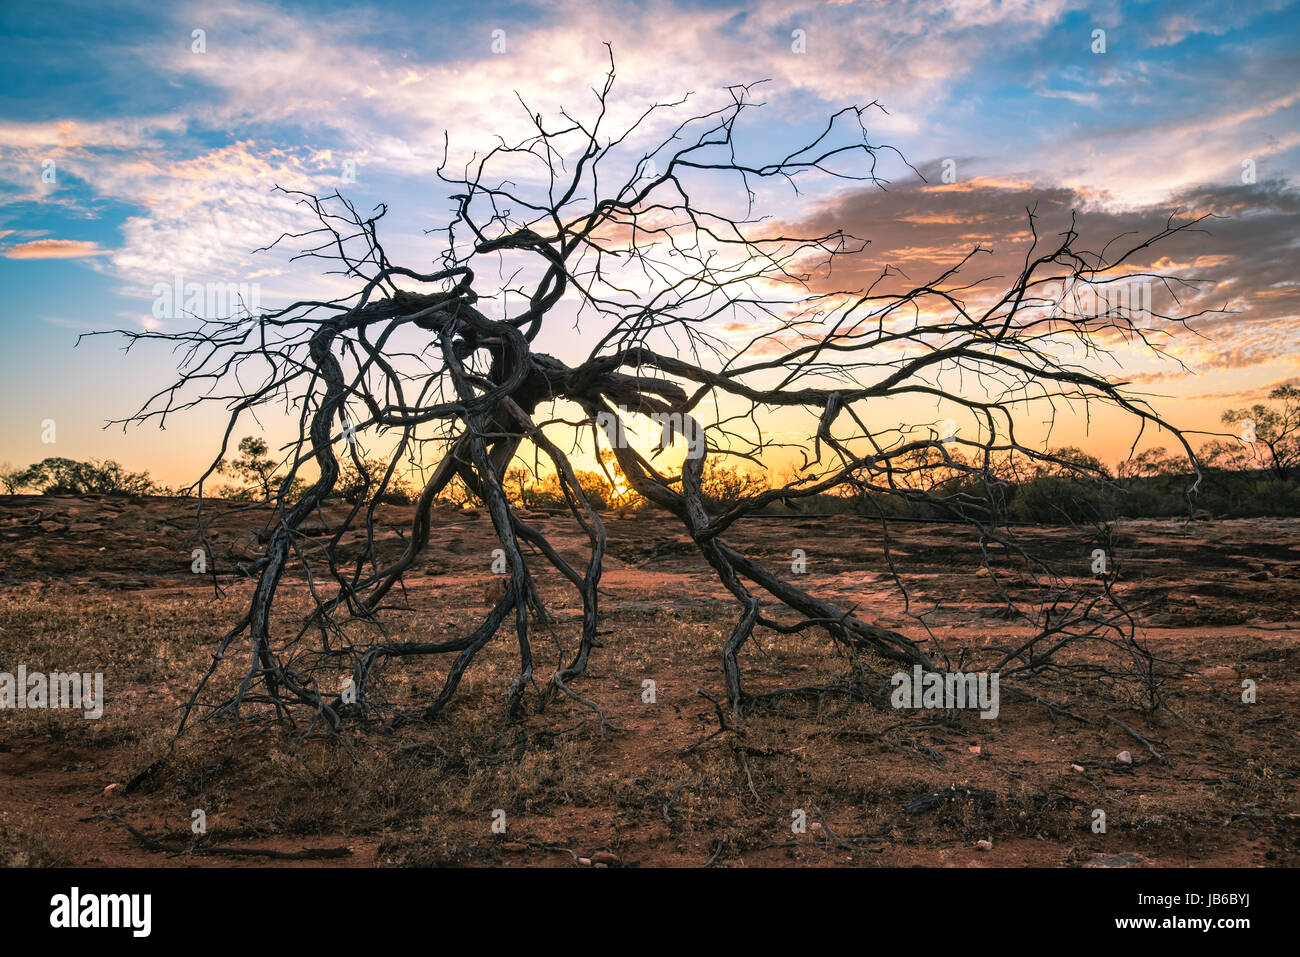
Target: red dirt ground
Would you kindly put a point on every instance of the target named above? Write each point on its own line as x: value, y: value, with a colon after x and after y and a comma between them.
x: 103, y: 584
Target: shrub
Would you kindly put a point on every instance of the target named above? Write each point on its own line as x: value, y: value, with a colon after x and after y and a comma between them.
x: 60, y: 476
x: 1057, y: 500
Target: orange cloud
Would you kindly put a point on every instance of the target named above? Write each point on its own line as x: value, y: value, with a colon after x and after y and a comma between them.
x: 55, y: 249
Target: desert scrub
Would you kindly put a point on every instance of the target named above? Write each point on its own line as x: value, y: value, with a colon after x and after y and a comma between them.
x: 20, y: 847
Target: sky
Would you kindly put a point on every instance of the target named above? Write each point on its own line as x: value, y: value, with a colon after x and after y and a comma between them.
x: 139, y: 144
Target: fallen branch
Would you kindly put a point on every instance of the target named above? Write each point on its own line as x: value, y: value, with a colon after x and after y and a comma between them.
x: 164, y: 847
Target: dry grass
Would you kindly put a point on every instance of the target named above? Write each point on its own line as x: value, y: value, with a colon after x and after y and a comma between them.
x: 423, y: 794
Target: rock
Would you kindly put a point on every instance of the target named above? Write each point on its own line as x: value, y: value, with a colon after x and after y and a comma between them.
x: 984, y: 845
x: 605, y: 857
x: 112, y: 788
x: 495, y: 591
x: 1124, y: 758
x: 1124, y: 859
x: 584, y: 862
x: 1000, y: 611
x: 1077, y: 767
x: 975, y: 749
x: 955, y: 792
x: 514, y: 847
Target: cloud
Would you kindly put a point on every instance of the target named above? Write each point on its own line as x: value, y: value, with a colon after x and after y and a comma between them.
x: 388, y: 100
x: 282, y: 98
x: 299, y: 97
x: 55, y: 249
x: 1213, y: 19
x: 1242, y: 302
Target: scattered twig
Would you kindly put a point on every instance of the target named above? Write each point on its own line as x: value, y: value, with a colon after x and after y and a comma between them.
x: 1150, y: 747
x: 723, y: 726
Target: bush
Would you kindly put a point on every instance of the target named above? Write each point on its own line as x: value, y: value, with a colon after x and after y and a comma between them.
x: 723, y: 486
x: 353, y: 486
x: 1057, y: 500
x: 60, y: 476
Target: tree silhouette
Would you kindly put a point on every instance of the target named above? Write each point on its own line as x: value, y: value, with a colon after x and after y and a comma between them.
x: 1275, y: 431
x: 619, y: 241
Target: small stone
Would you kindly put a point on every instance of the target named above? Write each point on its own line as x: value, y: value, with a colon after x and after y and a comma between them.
x: 984, y: 845
x: 1124, y: 859
x: 496, y: 590
x: 600, y: 865
x: 1124, y: 758
x: 815, y: 826
x: 584, y: 862
x: 514, y: 847
x: 975, y: 749
x: 1023, y: 816
x: 112, y: 788
x: 605, y: 857
x: 1077, y: 767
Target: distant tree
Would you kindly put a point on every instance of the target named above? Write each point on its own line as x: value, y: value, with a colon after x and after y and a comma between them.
x: 724, y: 486
x: 1150, y: 464
x: 457, y: 493
x: 1072, y: 461
x: 62, y: 476
x: 927, y: 468
x: 1227, y: 456
x: 1272, y: 433
x: 519, y: 487
x: 365, y: 483
x: 11, y: 479
x: 258, y: 472
x: 254, y: 466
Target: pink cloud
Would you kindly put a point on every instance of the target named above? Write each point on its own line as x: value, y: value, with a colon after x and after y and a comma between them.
x: 55, y: 249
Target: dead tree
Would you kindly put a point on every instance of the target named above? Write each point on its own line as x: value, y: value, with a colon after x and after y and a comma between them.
x: 615, y: 241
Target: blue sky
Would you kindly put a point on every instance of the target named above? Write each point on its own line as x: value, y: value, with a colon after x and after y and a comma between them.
x: 164, y: 155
